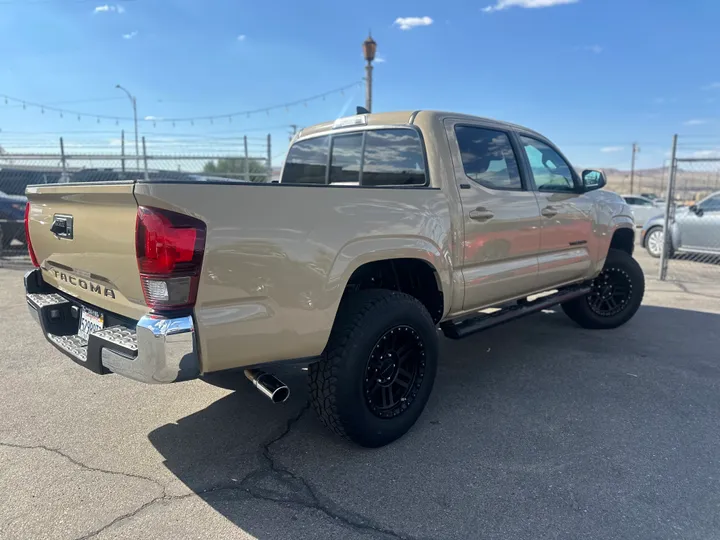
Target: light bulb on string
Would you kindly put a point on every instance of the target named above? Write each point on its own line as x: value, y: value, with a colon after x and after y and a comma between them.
x: 248, y: 115
x: 78, y: 117
x: 192, y: 123
x: 173, y: 123
x: 230, y: 119
x: 98, y: 120
x: 305, y: 104
x: 42, y: 110
x: 6, y: 101
x: 211, y: 122
x: 116, y: 122
x: 24, y: 107
x: 61, y: 115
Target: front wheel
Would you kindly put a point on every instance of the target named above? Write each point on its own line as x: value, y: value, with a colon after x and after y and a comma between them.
x: 615, y: 297
x: 378, y: 369
x: 654, y: 242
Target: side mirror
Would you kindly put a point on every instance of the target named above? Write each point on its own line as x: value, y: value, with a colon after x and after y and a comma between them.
x: 695, y: 209
x: 593, y: 180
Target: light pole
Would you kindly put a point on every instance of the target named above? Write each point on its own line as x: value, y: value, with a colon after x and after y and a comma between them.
x: 134, y: 104
x: 369, y: 48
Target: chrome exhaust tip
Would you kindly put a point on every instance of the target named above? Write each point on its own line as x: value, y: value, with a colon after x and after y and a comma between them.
x: 269, y: 385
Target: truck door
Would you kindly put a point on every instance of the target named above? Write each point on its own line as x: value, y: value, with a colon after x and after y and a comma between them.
x: 500, y: 214
x: 567, y: 216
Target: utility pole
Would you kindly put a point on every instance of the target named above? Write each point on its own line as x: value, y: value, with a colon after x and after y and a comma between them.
x: 294, y: 130
x: 635, y: 150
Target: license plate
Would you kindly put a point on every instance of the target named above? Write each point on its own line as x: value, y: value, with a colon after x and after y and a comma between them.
x: 90, y: 321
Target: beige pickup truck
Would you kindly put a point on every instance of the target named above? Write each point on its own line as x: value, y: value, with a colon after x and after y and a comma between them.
x: 384, y: 228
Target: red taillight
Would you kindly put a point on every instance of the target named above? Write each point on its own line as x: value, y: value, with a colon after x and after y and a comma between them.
x: 31, y: 251
x: 169, y: 248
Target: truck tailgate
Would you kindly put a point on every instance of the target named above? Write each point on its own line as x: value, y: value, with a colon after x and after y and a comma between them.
x: 90, y: 255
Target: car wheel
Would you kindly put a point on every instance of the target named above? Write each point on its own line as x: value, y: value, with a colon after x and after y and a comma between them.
x: 615, y: 297
x: 654, y: 242
x: 378, y: 369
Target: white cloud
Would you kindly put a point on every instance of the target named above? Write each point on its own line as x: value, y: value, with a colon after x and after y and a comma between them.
x: 151, y: 118
x: 531, y: 4
x: 242, y: 37
x: 712, y: 86
x: 109, y: 9
x: 379, y: 60
x: 610, y: 149
x: 695, y: 122
x: 130, y: 35
x: 597, y: 49
x: 408, y: 23
x: 659, y: 101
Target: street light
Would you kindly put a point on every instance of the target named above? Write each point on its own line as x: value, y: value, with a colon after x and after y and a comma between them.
x: 134, y: 104
x: 369, y: 48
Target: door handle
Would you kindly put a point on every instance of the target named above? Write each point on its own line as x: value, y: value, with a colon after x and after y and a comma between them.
x: 549, y: 212
x: 481, y: 214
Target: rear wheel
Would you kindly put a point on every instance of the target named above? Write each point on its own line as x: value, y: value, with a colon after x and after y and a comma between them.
x: 615, y: 297
x: 378, y: 369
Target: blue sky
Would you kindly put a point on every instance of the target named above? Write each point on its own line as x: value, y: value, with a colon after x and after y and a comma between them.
x: 593, y: 75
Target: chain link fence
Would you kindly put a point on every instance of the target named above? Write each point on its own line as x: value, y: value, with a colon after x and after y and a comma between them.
x: 251, y: 163
x: 691, y: 250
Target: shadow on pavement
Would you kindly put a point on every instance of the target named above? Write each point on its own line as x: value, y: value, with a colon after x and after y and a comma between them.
x: 536, y: 429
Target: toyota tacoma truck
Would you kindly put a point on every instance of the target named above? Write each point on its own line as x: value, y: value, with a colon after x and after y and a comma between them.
x: 384, y: 230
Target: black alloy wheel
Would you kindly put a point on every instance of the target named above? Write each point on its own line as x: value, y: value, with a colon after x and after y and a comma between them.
x: 611, y: 292
x: 394, y: 372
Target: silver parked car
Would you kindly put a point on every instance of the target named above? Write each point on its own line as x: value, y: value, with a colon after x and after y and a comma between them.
x: 643, y: 208
x: 696, y: 229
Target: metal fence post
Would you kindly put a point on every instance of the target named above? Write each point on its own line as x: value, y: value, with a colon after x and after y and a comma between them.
x: 122, y: 150
x: 62, y: 155
x: 247, y: 160
x: 269, y: 160
x: 145, y: 160
x: 669, y: 195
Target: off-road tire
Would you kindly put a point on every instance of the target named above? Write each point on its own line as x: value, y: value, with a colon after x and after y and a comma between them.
x: 337, y: 380
x: 617, y: 262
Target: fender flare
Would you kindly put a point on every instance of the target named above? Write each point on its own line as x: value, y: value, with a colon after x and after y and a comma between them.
x: 362, y: 251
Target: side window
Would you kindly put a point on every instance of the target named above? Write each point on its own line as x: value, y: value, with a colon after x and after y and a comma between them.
x: 345, y: 159
x: 710, y: 205
x: 631, y: 200
x: 306, y: 162
x: 643, y: 202
x: 550, y: 171
x: 393, y: 157
x: 488, y: 157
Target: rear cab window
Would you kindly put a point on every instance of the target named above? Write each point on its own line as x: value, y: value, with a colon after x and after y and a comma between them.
x: 391, y: 157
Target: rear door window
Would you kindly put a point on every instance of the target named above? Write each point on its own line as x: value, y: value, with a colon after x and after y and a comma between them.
x: 393, y: 157
x: 306, y: 162
x: 488, y: 157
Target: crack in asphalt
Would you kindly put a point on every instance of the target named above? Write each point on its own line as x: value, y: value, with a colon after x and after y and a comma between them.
x: 247, y: 486
x: 81, y: 464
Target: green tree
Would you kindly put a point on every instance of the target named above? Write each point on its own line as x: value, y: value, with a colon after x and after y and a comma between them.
x: 235, y: 168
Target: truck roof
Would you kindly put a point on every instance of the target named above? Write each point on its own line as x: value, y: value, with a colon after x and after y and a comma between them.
x: 406, y: 117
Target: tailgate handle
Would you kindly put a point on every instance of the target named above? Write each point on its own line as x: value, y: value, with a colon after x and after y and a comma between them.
x: 62, y: 226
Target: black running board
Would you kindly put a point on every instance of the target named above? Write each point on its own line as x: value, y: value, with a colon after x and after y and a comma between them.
x: 465, y: 327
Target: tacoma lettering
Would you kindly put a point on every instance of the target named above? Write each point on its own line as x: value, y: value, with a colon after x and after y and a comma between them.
x: 85, y: 285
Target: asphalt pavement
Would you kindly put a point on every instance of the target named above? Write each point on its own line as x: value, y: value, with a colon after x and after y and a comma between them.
x: 536, y: 429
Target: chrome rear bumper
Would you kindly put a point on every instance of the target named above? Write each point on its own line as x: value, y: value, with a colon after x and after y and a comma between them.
x: 155, y: 350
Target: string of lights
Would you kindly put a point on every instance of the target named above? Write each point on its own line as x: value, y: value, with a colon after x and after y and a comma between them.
x: 44, y: 108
